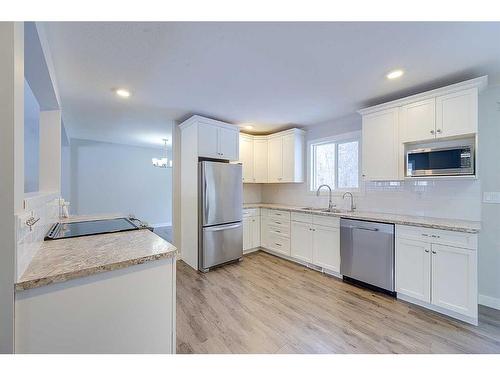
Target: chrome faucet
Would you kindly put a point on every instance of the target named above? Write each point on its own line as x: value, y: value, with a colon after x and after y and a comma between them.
x: 330, y: 202
x: 352, y: 200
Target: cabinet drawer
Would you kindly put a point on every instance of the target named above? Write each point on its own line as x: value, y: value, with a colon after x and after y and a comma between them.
x: 279, y: 230
x: 248, y: 212
x: 301, y: 217
x: 445, y: 237
x: 279, y: 215
x: 278, y: 223
x: 279, y: 243
x: 329, y: 221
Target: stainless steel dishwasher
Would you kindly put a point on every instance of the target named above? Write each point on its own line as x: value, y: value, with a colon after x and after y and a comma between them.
x: 367, y: 253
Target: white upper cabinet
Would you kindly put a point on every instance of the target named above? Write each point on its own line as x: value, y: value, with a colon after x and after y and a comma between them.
x: 418, y: 121
x: 275, y: 159
x: 260, y: 159
x: 247, y: 157
x: 213, y: 139
x: 381, y: 147
x: 446, y: 112
x: 208, y: 136
x: 456, y: 113
x: 228, y: 143
x: 286, y: 156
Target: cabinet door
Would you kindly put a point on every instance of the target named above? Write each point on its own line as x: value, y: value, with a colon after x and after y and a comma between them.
x: 456, y: 114
x: 326, y: 247
x: 288, y: 158
x: 381, y: 145
x: 264, y: 231
x: 454, y: 279
x: 246, y: 158
x: 418, y: 121
x: 260, y: 160
x: 247, y: 233
x: 301, y: 241
x: 229, y: 144
x: 255, y: 231
x: 413, y: 269
x: 208, y: 141
x: 275, y: 161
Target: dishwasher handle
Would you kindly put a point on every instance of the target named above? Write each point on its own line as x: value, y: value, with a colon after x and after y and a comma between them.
x: 370, y: 229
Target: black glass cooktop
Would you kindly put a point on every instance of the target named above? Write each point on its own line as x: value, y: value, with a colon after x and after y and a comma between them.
x: 87, y: 228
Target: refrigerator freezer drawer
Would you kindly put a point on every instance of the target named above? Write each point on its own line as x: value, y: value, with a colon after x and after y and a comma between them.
x: 221, y: 244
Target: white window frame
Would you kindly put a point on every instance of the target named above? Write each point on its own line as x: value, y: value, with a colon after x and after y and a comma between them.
x: 340, y: 138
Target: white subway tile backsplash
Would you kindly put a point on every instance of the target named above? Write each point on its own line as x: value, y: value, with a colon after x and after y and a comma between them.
x: 453, y: 199
x: 44, y: 206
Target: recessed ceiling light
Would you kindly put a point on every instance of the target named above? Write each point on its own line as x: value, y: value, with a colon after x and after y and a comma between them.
x: 248, y: 127
x: 123, y: 93
x: 395, y: 74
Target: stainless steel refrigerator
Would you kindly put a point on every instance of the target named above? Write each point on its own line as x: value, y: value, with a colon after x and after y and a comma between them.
x: 220, y: 214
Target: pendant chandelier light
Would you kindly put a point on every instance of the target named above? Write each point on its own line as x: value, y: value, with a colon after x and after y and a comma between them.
x: 163, y: 162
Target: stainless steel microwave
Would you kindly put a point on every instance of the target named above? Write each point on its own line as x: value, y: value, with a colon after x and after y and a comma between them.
x: 440, y: 161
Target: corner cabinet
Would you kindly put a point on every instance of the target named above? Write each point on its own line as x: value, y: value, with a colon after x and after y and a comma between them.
x: 446, y: 113
x: 285, y: 156
x: 274, y: 158
x: 438, y: 269
x: 247, y: 157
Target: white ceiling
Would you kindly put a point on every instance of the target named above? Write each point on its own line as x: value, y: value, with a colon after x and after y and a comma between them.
x: 271, y: 75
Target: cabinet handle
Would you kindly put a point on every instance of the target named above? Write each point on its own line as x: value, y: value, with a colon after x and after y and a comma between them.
x: 425, y: 235
x: 277, y: 222
x: 277, y: 231
x: 432, y: 131
x: 433, y: 252
x: 277, y: 244
x: 438, y: 131
x: 426, y: 250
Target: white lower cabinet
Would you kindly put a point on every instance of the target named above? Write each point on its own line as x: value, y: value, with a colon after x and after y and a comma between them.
x: 251, y: 229
x: 413, y: 269
x: 314, y: 243
x: 302, y: 239
x: 326, y: 247
x: 454, y: 279
x: 441, y: 276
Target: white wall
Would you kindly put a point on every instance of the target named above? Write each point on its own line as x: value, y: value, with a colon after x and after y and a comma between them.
x: 489, y: 169
x: 114, y: 178
x: 11, y: 168
x: 31, y: 139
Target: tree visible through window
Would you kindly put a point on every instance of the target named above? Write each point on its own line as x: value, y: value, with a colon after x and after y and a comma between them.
x: 335, y: 163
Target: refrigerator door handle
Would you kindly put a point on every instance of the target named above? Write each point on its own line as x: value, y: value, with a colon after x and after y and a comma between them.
x: 222, y: 227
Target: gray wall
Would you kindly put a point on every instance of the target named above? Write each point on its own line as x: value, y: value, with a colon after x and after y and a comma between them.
x: 31, y: 139
x: 115, y: 178
x: 489, y: 171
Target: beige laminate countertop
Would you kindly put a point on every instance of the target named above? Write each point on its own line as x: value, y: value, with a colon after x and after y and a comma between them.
x: 70, y: 258
x: 418, y: 221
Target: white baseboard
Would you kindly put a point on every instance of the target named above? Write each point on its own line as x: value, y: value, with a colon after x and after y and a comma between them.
x: 492, y: 302
x: 158, y: 225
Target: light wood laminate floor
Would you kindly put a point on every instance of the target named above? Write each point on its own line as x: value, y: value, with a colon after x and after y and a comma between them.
x: 265, y: 304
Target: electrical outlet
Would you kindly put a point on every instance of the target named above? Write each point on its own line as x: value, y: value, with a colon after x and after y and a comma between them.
x: 491, y: 197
